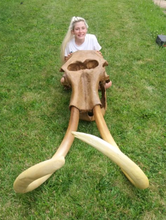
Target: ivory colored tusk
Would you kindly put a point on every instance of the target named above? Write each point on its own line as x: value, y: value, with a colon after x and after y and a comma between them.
x: 134, y: 173
x: 33, y: 177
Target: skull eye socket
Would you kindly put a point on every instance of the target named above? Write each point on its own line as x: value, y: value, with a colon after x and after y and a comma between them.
x: 87, y: 64
x: 76, y: 66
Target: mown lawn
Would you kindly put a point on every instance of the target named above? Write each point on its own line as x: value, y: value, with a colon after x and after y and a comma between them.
x: 34, y: 111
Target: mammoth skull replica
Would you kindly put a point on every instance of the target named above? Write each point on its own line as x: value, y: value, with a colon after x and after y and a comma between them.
x: 84, y: 72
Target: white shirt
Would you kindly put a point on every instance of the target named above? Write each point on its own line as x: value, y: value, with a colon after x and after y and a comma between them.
x: 90, y: 43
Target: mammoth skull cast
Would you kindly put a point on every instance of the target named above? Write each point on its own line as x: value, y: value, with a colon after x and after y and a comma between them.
x: 84, y: 72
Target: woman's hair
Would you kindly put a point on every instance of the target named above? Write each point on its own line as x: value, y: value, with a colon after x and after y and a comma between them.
x: 69, y: 34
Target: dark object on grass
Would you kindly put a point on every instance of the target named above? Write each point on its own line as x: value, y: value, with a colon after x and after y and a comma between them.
x: 161, y: 40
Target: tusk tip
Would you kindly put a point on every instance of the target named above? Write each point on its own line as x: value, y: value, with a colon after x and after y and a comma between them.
x: 74, y: 132
x: 77, y: 134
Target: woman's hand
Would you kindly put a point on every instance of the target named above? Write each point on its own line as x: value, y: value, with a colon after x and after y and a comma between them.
x: 100, y: 53
x: 68, y: 56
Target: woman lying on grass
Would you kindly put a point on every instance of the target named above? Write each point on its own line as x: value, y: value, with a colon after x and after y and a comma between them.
x: 78, y: 39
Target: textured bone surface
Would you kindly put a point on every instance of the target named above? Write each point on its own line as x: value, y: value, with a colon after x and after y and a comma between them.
x: 83, y: 71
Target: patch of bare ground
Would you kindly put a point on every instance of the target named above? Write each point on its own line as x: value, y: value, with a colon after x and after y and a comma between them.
x: 161, y: 4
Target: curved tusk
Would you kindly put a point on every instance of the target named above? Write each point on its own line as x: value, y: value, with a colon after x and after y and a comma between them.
x: 134, y: 173
x: 33, y: 177
x: 105, y: 133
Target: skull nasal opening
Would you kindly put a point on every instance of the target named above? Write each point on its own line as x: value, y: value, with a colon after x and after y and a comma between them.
x: 87, y: 64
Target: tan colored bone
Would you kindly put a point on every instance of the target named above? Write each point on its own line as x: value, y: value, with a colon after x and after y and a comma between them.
x: 83, y: 72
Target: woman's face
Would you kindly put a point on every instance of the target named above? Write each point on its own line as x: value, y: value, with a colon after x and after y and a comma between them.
x: 80, y: 30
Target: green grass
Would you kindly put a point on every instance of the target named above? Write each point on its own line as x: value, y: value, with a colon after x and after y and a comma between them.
x: 34, y: 110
